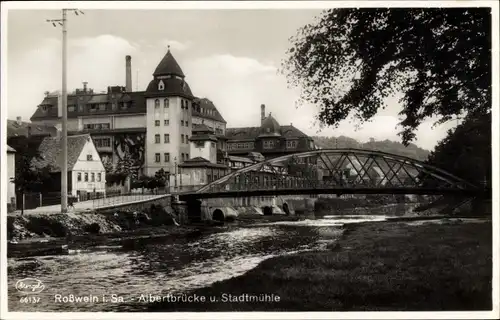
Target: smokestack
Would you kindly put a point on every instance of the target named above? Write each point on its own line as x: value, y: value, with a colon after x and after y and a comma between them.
x: 18, y: 120
x: 128, y: 74
x: 85, y: 87
x: 262, y: 113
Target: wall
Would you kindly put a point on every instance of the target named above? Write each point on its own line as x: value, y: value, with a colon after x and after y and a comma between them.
x: 193, y: 176
x: 11, y: 171
x: 174, y: 114
x: 207, y: 151
x: 129, y: 121
x: 137, y: 206
x: 84, y: 166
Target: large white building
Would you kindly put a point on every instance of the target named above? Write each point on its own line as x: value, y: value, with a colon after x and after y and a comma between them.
x: 152, y: 127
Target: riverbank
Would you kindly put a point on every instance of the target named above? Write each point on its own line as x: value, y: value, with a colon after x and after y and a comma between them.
x: 385, y: 266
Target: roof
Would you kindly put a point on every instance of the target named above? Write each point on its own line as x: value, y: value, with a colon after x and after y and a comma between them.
x: 172, y: 86
x: 251, y: 133
x: 240, y: 159
x: 48, y: 109
x: 168, y: 65
x: 199, y: 162
x: 201, y: 128
x: 205, y: 108
x: 203, y: 137
x: 22, y: 128
x: 10, y: 149
x: 270, y: 127
x: 50, y: 152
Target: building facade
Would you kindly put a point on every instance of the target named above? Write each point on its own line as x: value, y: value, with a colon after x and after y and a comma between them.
x: 270, y: 139
x: 166, y: 125
x: 86, y: 173
x: 151, y: 127
x: 11, y: 173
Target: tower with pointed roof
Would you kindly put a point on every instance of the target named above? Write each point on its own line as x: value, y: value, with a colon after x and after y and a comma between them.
x: 168, y: 117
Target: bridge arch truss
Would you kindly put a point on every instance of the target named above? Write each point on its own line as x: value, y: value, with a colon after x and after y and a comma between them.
x: 339, y: 171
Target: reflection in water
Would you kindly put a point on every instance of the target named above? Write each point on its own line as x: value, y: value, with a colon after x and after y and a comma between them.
x: 161, y: 268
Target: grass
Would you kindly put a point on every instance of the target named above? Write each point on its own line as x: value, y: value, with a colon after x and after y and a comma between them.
x: 374, y: 267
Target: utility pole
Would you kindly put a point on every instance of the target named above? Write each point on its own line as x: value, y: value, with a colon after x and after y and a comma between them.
x: 64, y: 111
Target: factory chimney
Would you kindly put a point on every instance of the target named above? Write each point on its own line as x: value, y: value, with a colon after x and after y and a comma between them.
x: 128, y: 74
x: 262, y: 113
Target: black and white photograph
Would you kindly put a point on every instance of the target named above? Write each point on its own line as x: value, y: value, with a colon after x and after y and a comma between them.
x: 249, y: 159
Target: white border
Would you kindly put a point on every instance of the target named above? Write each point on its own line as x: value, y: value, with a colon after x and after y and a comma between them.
x: 202, y: 5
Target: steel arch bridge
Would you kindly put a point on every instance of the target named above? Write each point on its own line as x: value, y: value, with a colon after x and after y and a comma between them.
x: 337, y: 171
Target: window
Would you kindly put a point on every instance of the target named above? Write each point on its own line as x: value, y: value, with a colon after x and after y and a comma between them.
x: 93, y: 108
x: 102, y: 106
x: 200, y: 144
x: 187, y: 124
x: 80, y: 108
x: 187, y: 139
x: 269, y: 144
x: 157, y: 104
x: 182, y: 123
x: 182, y: 103
x: 86, y: 176
x: 89, y: 157
x: 166, y: 122
x: 182, y: 138
x: 157, y: 123
x: 93, y: 126
x: 166, y: 156
x: 291, y: 144
x: 92, y: 177
x: 182, y: 157
x: 157, y: 138
x: 102, y: 142
x: 79, y: 177
x: 166, y: 103
x: 166, y: 138
x: 99, y: 177
x: 157, y: 157
x: 187, y: 156
x: 161, y: 85
x: 71, y: 108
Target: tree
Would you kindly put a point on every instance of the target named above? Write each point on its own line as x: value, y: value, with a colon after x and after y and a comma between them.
x: 466, y: 151
x: 350, y: 60
x: 108, y: 165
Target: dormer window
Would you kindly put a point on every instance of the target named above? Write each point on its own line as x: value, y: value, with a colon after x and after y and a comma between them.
x: 44, y: 108
x: 161, y: 85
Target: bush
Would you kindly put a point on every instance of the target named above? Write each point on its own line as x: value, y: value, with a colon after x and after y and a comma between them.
x: 93, y: 228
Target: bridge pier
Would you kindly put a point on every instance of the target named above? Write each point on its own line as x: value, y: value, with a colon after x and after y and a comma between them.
x: 232, y: 208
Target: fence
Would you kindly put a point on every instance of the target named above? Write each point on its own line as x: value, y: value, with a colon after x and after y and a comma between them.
x: 117, y: 199
x: 92, y: 200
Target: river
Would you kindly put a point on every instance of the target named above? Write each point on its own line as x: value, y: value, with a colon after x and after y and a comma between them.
x: 161, y: 268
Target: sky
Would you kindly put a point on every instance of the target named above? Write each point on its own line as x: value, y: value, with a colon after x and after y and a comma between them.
x: 231, y: 57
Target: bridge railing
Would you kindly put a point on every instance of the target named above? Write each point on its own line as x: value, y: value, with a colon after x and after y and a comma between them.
x: 232, y: 186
